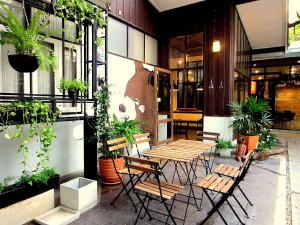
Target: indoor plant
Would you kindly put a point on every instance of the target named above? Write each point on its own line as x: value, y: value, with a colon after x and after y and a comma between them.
x: 224, y: 147
x: 250, y: 116
x: 31, y: 53
x: 73, y: 87
x: 40, y: 119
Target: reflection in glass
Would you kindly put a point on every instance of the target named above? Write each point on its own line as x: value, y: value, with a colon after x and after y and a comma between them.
x: 163, y: 93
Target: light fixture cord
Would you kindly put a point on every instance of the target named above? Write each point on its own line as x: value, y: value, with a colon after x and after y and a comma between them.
x: 24, y: 12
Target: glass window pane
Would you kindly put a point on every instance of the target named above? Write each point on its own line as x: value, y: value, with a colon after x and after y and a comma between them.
x: 194, y: 49
x: 283, y: 70
x: 151, y: 49
x: 177, y: 52
x: 117, y: 37
x: 135, y: 44
x: 257, y: 70
x: 257, y: 77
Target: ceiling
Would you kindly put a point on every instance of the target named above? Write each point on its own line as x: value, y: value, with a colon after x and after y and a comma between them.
x: 265, y: 22
x: 163, y: 5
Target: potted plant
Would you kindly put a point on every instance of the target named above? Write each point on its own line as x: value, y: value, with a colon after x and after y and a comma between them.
x: 31, y: 52
x: 40, y: 119
x: 73, y: 87
x: 224, y: 148
x: 250, y: 116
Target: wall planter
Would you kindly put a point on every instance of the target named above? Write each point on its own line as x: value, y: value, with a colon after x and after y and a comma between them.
x: 28, y: 209
x: 226, y: 153
x: 16, y: 194
x: 107, y: 170
x: 79, y: 194
x: 73, y: 94
x: 23, y: 63
x: 250, y: 141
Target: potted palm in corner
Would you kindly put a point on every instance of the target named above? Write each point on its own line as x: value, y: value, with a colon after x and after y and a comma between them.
x: 250, y: 117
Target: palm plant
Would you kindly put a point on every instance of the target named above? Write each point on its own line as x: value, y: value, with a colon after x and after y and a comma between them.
x: 250, y: 116
x: 28, y: 40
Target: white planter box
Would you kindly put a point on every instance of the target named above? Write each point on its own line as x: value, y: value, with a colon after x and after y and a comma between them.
x: 225, y: 153
x: 79, y: 194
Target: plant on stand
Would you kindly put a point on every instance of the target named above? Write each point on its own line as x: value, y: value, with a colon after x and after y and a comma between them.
x: 250, y: 117
x: 31, y: 52
x: 73, y: 87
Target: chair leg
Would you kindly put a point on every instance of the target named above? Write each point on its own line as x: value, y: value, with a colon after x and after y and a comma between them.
x: 117, y: 196
x: 142, y: 207
x: 170, y: 209
x: 128, y: 194
x: 215, y: 208
x: 245, y: 195
x: 235, y: 213
x: 240, y: 205
x: 169, y: 212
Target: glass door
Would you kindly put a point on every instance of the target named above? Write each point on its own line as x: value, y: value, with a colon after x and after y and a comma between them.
x: 163, y: 95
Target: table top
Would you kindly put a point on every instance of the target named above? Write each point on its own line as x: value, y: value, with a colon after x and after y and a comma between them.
x: 180, y: 150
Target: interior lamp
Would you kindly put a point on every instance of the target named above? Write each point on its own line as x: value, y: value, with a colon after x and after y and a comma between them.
x: 216, y: 46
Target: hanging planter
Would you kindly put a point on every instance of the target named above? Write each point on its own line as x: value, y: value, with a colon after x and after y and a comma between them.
x: 73, y: 87
x: 73, y: 94
x: 23, y: 63
x: 28, y: 41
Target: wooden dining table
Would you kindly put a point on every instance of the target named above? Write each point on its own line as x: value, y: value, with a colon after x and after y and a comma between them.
x: 186, y: 154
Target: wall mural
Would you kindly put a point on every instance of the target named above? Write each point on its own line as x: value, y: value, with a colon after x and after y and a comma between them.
x: 132, y: 93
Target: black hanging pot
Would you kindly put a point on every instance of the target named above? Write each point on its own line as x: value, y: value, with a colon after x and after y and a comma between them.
x: 23, y: 63
x: 73, y: 94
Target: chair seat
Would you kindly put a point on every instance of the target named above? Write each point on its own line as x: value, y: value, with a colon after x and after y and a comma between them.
x: 159, y: 160
x: 150, y: 186
x: 216, y: 183
x: 132, y: 171
x: 227, y: 170
x: 206, y: 157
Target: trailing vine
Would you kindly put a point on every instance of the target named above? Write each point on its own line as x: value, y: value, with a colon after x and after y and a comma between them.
x: 40, y: 119
x: 81, y: 12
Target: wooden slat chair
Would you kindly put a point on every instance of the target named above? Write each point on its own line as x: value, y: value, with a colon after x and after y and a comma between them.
x: 225, y: 187
x: 143, y: 142
x: 207, y: 160
x: 233, y: 172
x: 120, y: 144
x: 151, y: 187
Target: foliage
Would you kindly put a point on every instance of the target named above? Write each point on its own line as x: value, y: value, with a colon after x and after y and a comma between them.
x: 28, y: 41
x: 267, y: 140
x: 250, y: 116
x: 5, y: 184
x: 40, y: 118
x: 124, y: 128
x: 41, y: 177
x: 80, y: 11
x: 223, y: 145
x: 73, y: 85
x: 102, y: 125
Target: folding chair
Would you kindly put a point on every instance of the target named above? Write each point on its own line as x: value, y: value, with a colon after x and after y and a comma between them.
x: 225, y: 187
x: 162, y: 191
x: 232, y: 172
x: 118, y: 145
x: 207, y: 160
x: 142, y: 142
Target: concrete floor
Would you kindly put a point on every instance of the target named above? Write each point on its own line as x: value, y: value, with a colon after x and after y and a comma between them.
x: 266, y: 185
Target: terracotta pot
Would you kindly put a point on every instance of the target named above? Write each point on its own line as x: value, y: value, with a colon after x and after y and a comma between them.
x: 107, y: 170
x: 251, y: 142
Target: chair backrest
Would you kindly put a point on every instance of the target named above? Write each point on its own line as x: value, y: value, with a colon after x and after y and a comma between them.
x: 246, y: 165
x: 118, y: 144
x: 142, y: 142
x: 209, y: 136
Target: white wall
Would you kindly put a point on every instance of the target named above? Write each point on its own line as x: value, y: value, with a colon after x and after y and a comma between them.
x: 220, y: 125
x: 67, y: 154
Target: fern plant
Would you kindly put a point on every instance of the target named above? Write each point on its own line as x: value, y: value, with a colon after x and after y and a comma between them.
x: 30, y: 40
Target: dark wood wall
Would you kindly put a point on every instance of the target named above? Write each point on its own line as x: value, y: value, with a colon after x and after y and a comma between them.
x: 216, y: 20
x: 138, y: 13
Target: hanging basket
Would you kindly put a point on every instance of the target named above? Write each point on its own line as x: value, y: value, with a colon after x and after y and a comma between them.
x: 73, y: 94
x: 23, y: 63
